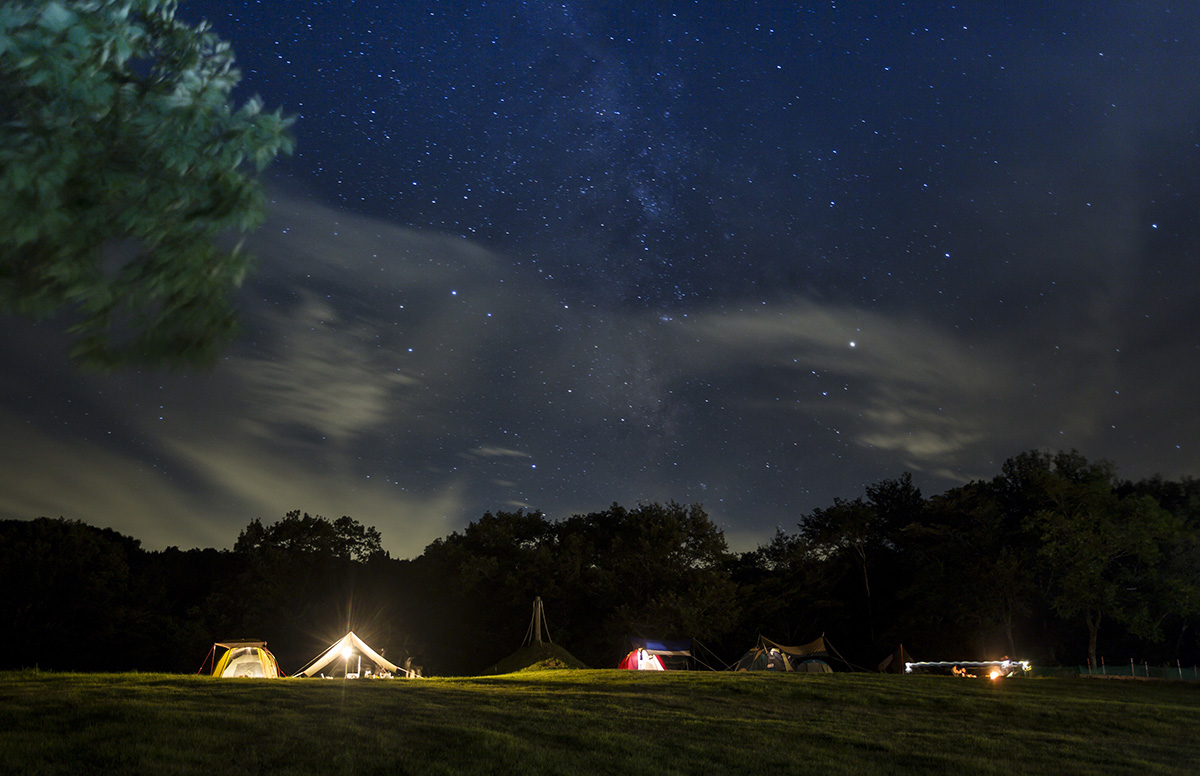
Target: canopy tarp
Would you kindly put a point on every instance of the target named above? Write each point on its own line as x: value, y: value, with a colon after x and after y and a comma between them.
x: 768, y: 655
x: 812, y: 648
x: 676, y: 648
x: 354, y: 644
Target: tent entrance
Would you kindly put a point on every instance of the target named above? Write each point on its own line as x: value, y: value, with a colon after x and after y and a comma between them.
x: 243, y: 659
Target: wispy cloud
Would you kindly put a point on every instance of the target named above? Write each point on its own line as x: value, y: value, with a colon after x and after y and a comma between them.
x: 497, y: 452
x: 412, y: 381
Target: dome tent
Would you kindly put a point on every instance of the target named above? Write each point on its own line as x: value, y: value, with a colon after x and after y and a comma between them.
x: 641, y: 659
x: 649, y: 654
x: 245, y: 659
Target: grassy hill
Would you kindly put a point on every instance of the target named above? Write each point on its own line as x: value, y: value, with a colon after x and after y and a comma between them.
x: 536, y: 657
x: 602, y: 722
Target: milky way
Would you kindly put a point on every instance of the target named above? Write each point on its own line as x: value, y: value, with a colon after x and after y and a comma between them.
x: 755, y: 256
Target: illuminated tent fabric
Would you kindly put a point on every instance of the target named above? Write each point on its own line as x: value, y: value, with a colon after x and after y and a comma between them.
x: 678, y: 648
x: 767, y: 655
x: 350, y: 643
x: 642, y: 660
x: 674, y: 655
x: 812, y: 666
x: 246, y: 659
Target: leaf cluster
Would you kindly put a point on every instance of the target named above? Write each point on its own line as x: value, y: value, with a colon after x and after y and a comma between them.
x: 122, y: 160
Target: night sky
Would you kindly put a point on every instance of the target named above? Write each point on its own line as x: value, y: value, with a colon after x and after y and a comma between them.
x: 752, y: 255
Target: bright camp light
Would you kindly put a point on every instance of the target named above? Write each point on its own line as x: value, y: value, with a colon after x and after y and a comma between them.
x: 993, y: 669
x: 347, y: 652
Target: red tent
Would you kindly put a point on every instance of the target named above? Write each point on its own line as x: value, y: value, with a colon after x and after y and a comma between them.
x: 641, y: 660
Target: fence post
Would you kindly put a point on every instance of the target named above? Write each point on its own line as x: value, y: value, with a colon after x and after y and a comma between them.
x: 1179, y: 667
x: 1132, y: 673
x: 1103, y: 668
x: 1089, y: 662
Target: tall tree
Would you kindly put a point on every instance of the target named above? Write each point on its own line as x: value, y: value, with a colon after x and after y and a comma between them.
x: 65, y: 598
x: 863, y: 532
x: 971, y: 569
x: 848, y: 529
x: 1102, y: 549
x: 1179, y: 581
x: 656, y: 570
x: 122, y: 160
x: 304, y: 580
x: 471, y: 591
x: 787, y: 590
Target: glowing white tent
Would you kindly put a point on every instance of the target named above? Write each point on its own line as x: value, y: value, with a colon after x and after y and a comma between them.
x: 344, y: 649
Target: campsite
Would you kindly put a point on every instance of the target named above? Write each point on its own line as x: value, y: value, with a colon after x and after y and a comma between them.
x: 964, y: 576
x: 594, y: 722
x: 703, y: 330
x: 439, y: 664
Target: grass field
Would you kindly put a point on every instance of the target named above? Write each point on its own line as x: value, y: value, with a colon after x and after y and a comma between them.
x: 602, y: 722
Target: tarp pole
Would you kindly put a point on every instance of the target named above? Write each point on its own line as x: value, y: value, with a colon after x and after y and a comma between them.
x: 211, y: 651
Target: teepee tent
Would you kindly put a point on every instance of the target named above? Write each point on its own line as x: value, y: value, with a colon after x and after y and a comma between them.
x: 895, y: 662
x: 536, y: 654
x: 642, y: 660
x: 245, y: 659
x: 346, y: 653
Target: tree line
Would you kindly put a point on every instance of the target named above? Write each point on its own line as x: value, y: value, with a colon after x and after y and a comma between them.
x: 1055, y: 559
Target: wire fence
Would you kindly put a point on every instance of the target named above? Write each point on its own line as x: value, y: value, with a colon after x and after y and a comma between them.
x: 1131, y: 670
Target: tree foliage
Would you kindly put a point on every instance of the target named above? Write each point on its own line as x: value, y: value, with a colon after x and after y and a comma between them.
x: 968, y: 570
x: 122, y: 160
x: 62, y: 584
x: 1103, y: 549
x: 344, y: 538
x: 1021, y: 565
x: 659, y: 570
x: 859, y: 537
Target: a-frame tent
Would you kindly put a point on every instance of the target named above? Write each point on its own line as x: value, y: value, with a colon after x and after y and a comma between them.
x: 344, y: 649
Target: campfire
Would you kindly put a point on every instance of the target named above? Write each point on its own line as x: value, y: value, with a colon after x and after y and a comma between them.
x: 972, y: 669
